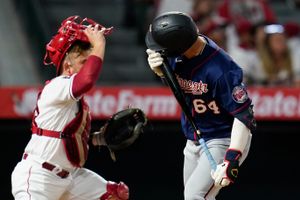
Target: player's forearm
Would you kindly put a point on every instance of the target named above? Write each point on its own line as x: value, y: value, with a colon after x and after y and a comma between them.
x: 87, y: 76
x: 239, y: 135
x: 98, y: 51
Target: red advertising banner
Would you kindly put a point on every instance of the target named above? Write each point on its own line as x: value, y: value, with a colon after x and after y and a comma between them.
x: 276, y: 103
x: 157, y: 102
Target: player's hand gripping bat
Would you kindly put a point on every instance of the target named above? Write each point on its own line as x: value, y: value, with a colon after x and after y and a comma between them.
x: 174, y: 85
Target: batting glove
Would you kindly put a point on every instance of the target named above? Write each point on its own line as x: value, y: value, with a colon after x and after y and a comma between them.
x: 155, y: 61
x: 227, y: 171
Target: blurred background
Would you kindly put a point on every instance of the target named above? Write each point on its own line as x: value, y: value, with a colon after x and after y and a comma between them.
x: 263, y: 36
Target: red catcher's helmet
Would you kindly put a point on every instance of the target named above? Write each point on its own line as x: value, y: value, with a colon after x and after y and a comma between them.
x: 71, y: 30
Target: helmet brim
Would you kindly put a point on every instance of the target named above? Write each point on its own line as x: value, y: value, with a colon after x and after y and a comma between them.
x: 151, y: 44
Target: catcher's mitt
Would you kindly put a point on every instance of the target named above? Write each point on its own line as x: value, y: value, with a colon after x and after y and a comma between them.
x: 121, y: 130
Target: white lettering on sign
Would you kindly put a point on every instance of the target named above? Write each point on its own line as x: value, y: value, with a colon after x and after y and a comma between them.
x: 276, y: 105
x: 25, y: 103
x: 155, y: 105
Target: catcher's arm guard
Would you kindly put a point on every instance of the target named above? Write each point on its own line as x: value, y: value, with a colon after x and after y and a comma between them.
x: 121, y: 130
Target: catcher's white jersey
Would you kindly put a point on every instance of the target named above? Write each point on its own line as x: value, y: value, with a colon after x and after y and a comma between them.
x: 57, y: 107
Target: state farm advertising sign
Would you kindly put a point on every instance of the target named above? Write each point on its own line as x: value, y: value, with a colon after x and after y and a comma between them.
x: 157, y: 102
x: 276, y: 103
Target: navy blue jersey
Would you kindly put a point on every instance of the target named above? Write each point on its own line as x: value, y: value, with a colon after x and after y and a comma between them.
x: 213, y: 88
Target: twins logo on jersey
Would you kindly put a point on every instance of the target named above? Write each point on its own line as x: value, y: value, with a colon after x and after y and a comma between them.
x: 189, y: 86
x: 239, y: 94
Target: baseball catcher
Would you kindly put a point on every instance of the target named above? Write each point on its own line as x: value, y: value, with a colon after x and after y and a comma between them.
x: 55, y: 156
x: 121, y: 130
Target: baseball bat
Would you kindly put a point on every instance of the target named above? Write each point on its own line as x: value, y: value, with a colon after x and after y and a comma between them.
x: 175, y: 87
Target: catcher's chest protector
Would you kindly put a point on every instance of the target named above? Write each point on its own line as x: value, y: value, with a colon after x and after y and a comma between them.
x: 76, y: 136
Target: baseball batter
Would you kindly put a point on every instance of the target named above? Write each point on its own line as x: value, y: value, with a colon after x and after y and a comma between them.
x: 217, y: 98
x: 53, y: 160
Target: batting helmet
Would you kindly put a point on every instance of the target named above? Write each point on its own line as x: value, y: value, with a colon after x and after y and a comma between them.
x: 71, y: 30
x: 172, y: 32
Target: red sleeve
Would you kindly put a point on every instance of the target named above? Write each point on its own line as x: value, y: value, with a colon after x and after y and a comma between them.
x: 87, y: 76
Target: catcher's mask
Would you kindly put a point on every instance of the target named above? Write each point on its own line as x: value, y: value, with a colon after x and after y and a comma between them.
x: 71, y: 30
x: 172, y: 33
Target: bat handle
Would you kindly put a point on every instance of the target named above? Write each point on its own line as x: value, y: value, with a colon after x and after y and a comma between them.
x: 211, y: 160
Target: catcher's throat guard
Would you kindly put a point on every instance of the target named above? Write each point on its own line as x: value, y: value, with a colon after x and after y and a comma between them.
x: 121, y: 130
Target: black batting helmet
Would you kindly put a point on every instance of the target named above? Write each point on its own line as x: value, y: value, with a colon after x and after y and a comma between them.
x: 172, y: 33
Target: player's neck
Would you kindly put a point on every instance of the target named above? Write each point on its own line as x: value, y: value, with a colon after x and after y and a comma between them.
x: 196, y: 49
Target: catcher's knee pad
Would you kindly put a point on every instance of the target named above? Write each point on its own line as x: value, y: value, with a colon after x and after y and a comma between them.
x: 118, y: 191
